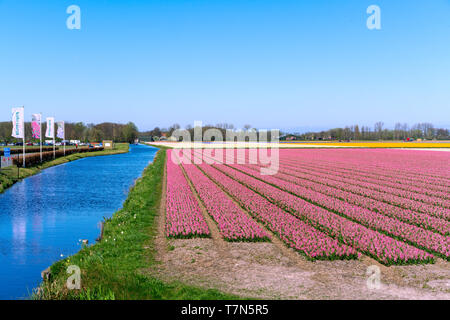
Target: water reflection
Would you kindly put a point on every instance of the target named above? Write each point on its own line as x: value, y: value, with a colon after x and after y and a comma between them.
x: 19, y: 230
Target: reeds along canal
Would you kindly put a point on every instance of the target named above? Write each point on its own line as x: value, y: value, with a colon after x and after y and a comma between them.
x: 44, y: 217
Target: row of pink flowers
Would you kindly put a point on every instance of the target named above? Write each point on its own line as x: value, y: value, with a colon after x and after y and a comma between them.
x: 413, y: 164
x: 331, y: 187
x: 412, y: 173
x: 417, y: 194
x: 421, y: 195
x: 428, y: 171
x: 184, y: 218
x: 233, y: 223
x: 436, y: 206
x: 380, y: 246
x: 402, y: 202
x: 291, y: 230
x: 396, y: 182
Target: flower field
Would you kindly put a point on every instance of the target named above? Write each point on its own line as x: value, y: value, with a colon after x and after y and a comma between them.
x: 391, y: 205
x: 183, y: 217
x: 233, y: 223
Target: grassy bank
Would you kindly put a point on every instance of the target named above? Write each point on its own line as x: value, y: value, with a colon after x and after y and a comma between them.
x: 13, y: 174
x: 111, y: 269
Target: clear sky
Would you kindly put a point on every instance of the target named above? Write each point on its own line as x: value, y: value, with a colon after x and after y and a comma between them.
x: 272, y: 64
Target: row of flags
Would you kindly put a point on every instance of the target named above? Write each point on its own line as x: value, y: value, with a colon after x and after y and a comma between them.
x: 18, y: 120
x: 18, y: 129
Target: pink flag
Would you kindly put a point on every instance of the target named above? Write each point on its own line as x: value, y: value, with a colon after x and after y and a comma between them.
x: 36, y: 125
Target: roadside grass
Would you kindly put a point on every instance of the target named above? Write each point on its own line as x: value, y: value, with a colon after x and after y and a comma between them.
x: 11, y: 175
x: 114, y: 268
x: 119, y: 148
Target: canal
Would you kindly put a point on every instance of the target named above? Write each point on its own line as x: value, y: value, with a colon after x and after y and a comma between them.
x: 44, y: 217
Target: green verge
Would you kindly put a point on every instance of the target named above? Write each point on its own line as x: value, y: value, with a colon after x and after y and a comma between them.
x: 9, y: 176
x: 115, y: 267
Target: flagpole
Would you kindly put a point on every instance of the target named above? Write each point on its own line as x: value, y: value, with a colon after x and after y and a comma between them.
x: 54, y: 150
x: 23, y: 123
x: 40, y: 133
x: 64, y: 137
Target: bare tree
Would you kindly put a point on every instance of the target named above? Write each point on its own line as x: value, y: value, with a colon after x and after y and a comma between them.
x: 397, y: 130
x: 379, y: 129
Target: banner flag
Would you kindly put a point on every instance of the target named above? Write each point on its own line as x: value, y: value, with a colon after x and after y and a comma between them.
x: 50, y: 132
x: 36, y: 125
x: 60, y: 133
x: 18, y: 123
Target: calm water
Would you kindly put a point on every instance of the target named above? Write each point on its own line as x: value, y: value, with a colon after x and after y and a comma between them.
x: 45, y: 216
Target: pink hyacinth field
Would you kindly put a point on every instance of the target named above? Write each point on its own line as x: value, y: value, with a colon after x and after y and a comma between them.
x: 341, y: 209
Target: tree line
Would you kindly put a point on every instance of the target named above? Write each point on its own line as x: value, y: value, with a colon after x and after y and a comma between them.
x: 79, y: 131
x: 246, y: 133
x: 157, y: 132
x: 401, y: 131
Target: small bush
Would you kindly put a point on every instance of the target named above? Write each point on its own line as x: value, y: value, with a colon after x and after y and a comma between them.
x: 28, y: 150
x: 35, y: 159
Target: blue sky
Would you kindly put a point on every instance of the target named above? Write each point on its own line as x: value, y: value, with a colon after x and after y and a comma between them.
x: 272, y: 64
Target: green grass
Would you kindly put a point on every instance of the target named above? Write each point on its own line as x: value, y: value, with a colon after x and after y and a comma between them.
x: 115, y: 267
x: 9, y: 176
x: 119, y: 148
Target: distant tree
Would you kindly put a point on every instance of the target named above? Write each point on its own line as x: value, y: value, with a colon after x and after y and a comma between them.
x: 95, y: 135
x: 172, y: 128
x: 156, y: 132
x: 130, y: 132
x: 379, y: 129
x: 356, y: 133
x: 397, y: 131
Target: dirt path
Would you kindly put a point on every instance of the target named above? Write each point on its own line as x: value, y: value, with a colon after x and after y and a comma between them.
x: 160, y: 239
x: 270, y: 270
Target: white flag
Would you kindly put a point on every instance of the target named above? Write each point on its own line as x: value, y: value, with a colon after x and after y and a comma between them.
x: 60, y: 133
x: 18, y: 122
x: 50, y: 132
